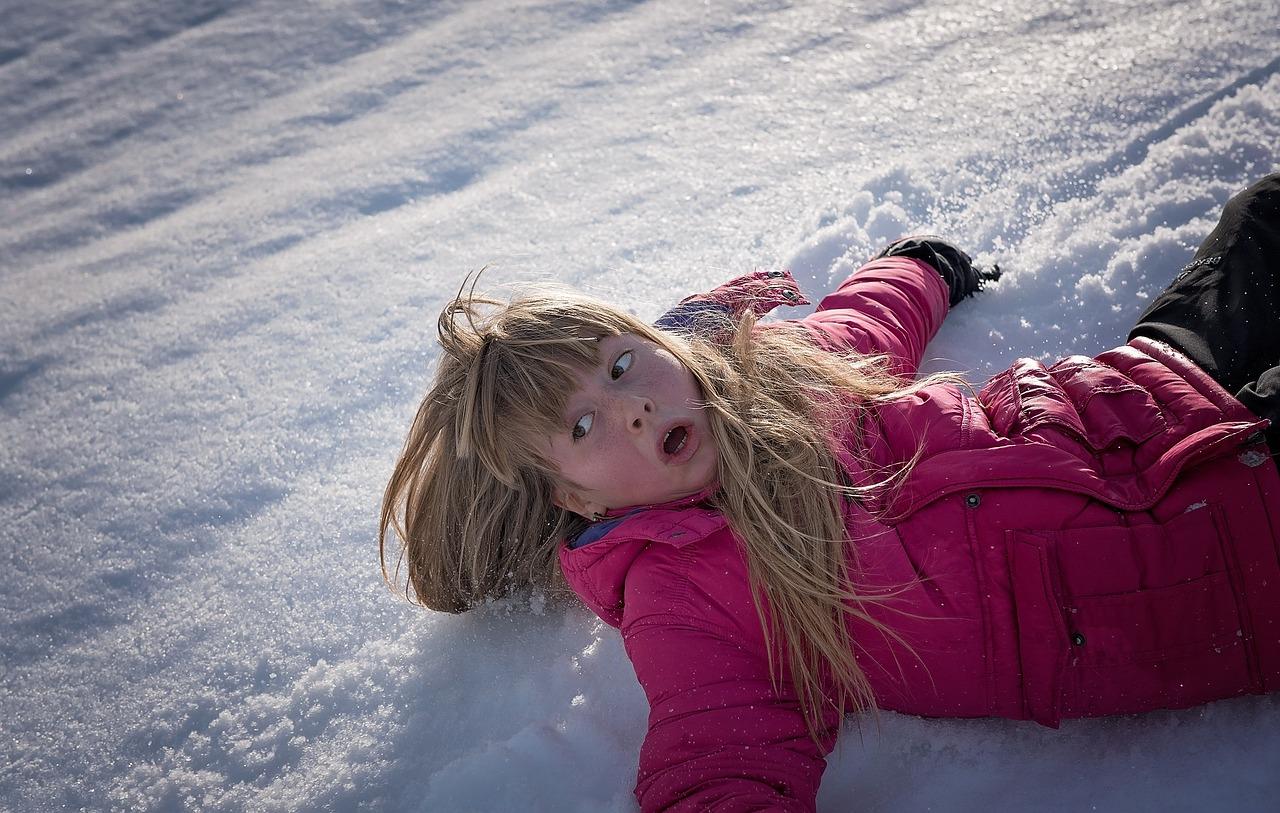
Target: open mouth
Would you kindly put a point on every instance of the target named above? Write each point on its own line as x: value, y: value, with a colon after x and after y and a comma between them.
x: 675, y: 440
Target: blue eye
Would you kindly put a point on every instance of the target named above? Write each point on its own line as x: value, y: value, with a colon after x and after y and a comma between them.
x: 621, y: 365
x: 583, y: 426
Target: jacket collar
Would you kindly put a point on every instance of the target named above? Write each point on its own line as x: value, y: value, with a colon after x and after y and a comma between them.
x: 615, y: 517
x: 597, y: 572
x: 680, y: 502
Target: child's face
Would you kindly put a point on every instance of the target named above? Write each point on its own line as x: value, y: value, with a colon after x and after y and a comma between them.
x: 634, y: 431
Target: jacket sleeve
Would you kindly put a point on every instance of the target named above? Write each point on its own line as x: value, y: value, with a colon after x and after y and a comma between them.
x: 719, y: 739
x: 891, y: 306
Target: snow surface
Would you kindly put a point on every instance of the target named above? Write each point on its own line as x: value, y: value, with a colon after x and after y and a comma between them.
x: 226, y: 227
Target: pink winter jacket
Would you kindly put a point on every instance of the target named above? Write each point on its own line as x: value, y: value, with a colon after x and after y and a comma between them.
x: 1094, y: 537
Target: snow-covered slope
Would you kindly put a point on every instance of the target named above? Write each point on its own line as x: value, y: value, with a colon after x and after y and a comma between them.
x: 225, y: 230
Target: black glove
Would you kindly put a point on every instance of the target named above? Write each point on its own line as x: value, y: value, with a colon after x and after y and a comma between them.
x: 956, y: 267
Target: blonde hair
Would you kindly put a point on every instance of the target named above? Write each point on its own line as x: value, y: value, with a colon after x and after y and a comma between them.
x: 470, y: 498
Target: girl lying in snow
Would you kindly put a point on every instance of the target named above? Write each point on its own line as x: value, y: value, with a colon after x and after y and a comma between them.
x: 787, y: 528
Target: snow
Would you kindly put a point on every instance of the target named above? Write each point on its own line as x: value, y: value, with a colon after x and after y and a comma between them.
x: 226, y: 227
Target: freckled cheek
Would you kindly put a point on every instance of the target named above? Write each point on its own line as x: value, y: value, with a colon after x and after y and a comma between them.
x: 616, y: 452
x: 623, y: 451
x: 681, y: 382
x: 645, y: 381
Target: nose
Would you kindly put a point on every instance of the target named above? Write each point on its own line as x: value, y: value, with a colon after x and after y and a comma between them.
x: 639, y: 409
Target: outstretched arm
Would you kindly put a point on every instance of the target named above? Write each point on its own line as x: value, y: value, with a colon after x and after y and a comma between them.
x: 895, y: 303
x: 891, y: 306
x: 719, y: 739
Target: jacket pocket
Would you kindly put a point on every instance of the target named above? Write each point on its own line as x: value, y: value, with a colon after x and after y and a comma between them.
x: 1042, y: 630
x: 1117, y: 620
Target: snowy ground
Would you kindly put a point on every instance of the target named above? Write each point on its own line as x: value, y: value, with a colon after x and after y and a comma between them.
x: 226, y: 227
